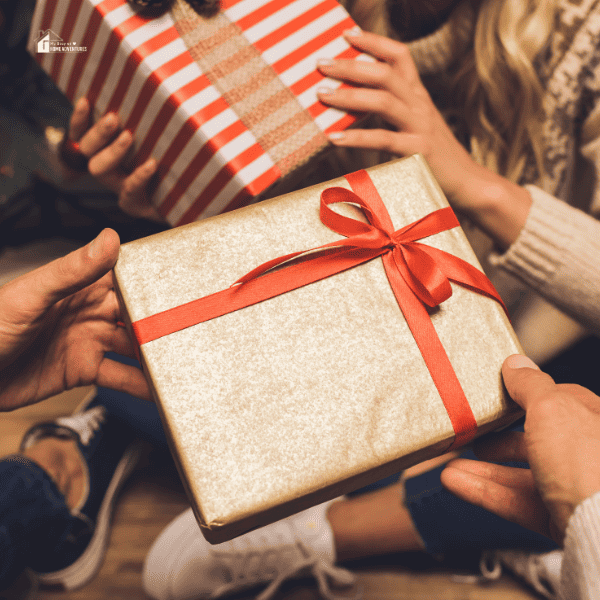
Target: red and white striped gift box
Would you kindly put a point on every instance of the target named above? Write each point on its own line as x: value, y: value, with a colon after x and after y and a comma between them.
x: 226, y: 105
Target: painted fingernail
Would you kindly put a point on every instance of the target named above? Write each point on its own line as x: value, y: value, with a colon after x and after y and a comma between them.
x: 81, y: 104
x: 110, y: 120
x: 518, y: 361
x: 336, y: 136
x: 323, y: 90
x: 125, y: 138
x: 354, y: 32
x: 325, y: 62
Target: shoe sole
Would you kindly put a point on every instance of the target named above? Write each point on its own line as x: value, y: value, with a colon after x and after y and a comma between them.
x: 88, y: 564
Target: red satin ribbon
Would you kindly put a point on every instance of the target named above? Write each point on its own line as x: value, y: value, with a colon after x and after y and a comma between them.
x: 418, y: 274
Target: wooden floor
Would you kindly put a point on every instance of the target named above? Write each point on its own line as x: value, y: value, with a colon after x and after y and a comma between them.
x: 153, y: 497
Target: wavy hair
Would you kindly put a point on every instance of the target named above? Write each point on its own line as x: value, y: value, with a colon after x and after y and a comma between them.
x: 501, y: 90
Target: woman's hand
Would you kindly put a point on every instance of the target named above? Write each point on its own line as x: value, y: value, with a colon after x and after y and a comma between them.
x: 106, y: 150
x: 561, y: 443
x: 57, y: 322
x: 392, y: 89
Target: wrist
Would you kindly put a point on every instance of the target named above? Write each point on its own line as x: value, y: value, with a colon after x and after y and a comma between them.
x: 497, y: 205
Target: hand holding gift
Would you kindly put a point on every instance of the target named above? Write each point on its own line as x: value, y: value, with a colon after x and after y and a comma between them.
x: 57, y: 322
x: 561, y: 443
x: 392, y: 89
x: 101, y: 149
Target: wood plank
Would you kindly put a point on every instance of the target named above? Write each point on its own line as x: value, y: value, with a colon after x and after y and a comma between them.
x: 154, y: 496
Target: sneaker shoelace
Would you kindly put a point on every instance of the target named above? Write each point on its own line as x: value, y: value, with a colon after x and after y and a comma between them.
x: 239, y: 561
x: 85, y: 424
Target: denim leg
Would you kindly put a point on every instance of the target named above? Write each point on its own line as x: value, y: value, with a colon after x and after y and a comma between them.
x: 141, y: 415
x: 447, y: 524
x: 34, y: 518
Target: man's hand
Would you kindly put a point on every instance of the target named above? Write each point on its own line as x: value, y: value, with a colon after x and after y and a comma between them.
x: 561, y: 443
x: 56, y: 323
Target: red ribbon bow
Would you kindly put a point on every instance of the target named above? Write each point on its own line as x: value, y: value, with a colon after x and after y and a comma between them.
x: 418, y: 274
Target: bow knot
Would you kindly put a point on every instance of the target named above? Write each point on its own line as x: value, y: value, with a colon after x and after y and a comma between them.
x: 414, y: 262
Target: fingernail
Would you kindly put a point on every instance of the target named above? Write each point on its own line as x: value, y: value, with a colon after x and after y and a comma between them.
x: 518, y: 361
x: 325, y: 90
x: 95, y: 246
x: 325, y: 62
x: 336, y: 136
x: 81, y: 104
x: 354, y: 32
x: 125, y: 138
x: 150, y: 165
x: 110, y: 120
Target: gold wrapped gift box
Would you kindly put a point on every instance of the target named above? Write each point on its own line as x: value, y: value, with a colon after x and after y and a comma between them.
x: 315, y: 392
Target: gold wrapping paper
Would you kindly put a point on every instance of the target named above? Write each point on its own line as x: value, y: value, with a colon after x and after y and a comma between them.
x: 316, y: 392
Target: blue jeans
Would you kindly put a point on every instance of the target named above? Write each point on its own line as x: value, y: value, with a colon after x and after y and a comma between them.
x: 447, y: 524
x: 35, y: 521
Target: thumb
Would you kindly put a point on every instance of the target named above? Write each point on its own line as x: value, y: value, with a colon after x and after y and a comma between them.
x: 69, y: 274
x: 524, y: 381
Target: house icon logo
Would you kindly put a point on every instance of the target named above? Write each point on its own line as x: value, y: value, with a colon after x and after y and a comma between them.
x: 48, y: 41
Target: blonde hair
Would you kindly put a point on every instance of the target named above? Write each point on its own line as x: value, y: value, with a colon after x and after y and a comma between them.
x: 501, y: 89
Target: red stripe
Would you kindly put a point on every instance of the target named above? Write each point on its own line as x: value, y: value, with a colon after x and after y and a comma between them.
x: 151, y: 85
x: 133, y: 61
x: 88, y: 41
x: 270, y: 8
x: 223, y: 177
x: 110, y: 52
x: 225, y: 4
x: 189, y: 129
x: 80, y: 62
x: 200, y: 160
x: 45, y: 23
x: 295, y: 25
x: 313, y: 78
x: 319, y: 108
x: 66, y: 33
x: 307, y: 49
x: 173, y: 102
x: 260, y: 184
x: 342, y: 124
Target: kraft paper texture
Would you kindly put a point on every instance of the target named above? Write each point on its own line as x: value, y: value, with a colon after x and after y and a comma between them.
x: 316, y: 392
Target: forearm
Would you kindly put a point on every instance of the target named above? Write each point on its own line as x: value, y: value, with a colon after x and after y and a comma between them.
x: 556, y: 254
x: 498, y: 206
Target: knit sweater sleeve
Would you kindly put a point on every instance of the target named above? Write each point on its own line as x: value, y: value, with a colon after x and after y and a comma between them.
x: 557, y: 254
x: 580, y: 572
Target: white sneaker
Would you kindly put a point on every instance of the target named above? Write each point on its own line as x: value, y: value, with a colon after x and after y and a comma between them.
x: 540, y: 571
x: 182, y: 565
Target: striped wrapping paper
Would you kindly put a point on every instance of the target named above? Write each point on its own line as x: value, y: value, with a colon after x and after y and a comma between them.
x: 226, y: 105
